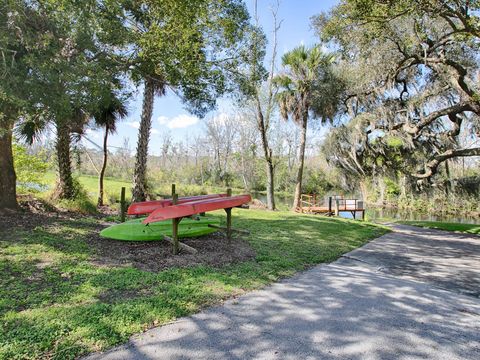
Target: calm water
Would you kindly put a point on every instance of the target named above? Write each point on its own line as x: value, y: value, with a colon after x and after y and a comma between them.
x: 283, y: 203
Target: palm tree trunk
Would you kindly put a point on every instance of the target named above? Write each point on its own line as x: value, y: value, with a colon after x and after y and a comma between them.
x: 64, y: 188
x: 102, y: 170
x: 301, y: 161
x: 8, y: 179
x: 140, y: 172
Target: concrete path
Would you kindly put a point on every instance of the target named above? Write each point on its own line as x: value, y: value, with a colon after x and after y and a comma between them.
x: 411, y: 294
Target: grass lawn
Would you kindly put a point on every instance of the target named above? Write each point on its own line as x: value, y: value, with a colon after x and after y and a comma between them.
x: 113, y: 187
x: 56, y: 302
x: 458, y: 227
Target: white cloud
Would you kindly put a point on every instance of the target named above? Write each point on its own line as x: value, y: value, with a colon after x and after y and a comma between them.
x: 134, y: 124
x: 179, y: 121
x: 155, y: 132
x: 162, y: 120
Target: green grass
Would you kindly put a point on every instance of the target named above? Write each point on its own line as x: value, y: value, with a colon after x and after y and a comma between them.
x: 55, y: 303
x: 113, y: 188
x: 457, y: 227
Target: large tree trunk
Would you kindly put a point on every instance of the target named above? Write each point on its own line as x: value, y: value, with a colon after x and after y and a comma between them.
x: 301, y: 161
x: 270, y: 186
x: 140, y: 173
x: 364, y: 190
x: 381, y: 188
x: 8, y: 179
x: 267, y: 153
x: 64, y: 188
x: 102, y: 170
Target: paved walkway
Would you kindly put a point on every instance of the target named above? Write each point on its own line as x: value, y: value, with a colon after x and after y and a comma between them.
x: 411, y: 294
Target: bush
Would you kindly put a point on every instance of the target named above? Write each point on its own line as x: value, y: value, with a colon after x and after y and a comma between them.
x: 80, y: 205
x: 81, y: 202
x: 30, y: 169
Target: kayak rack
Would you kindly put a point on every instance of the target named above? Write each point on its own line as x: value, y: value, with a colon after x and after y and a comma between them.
x: 175, y: 221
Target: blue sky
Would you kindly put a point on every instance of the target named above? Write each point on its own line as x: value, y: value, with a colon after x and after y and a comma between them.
x: 169, y: 114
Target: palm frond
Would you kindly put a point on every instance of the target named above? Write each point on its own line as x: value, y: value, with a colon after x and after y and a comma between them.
x: 31, y: 127
x: 302, y: 82
x: 110, y: 113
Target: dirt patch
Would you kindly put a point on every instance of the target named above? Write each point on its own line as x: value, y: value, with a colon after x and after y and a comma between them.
x: 213, y: 250
x: 26, y: 220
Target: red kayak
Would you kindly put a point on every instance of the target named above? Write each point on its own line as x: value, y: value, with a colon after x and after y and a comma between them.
x: 196, y: 207
x: 147, y: 207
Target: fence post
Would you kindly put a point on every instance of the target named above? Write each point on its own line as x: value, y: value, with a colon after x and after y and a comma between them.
x: 337, y: 207
x: 122, y: 205
x: 176, y: 245
x: 229, y: 217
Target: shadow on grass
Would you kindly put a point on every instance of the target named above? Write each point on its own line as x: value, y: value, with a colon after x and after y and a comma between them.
x: 57, y: 302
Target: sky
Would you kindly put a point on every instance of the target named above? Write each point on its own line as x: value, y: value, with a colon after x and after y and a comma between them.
x: 169, y: 116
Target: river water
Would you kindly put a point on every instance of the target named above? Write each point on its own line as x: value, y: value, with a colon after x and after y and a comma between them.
x: 376, y: 213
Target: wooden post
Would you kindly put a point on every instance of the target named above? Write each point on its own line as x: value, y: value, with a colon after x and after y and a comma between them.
x: 175, y: 222
x: 336, y: 206
x: 329, y: 206
x: 122, y: 205
x: 181, y: 245
x: 229, y: 218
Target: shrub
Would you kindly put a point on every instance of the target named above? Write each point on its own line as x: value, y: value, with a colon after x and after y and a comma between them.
x: 30, y: 169
x: 81, y: 202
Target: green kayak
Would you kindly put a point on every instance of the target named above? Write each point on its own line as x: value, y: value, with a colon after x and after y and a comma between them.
x: 134, y: 230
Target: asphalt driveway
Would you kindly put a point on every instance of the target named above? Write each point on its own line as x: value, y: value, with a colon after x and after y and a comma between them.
x: 410, y: 294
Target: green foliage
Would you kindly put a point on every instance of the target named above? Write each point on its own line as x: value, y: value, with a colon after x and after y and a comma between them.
x: 80, y: 204
x: 395, y: 57
x: 394, y: 141
x: 30, y: 169
x: 56, y: 303
x: 113, y: 188
x: 438, y: 203
x: 307, y: 84
x: 80, y: 201
x: 191, y: 45
x: 316, y: 183
x: 447, y: 226
x: 392, y: 188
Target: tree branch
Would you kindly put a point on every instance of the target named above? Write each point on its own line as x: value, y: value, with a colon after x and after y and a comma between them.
x: 431, y: 167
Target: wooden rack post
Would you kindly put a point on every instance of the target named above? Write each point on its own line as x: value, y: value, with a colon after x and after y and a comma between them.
x: 175, y: 223
x: 229, y: 218
x: 122, y: 205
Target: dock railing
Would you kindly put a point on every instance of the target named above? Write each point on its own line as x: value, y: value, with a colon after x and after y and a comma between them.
x: 330, y: 205
x: 311, y: 200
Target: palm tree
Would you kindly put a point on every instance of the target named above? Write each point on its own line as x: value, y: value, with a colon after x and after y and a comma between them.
x: 299, y: 86
x: 153, y: 86
x: 107, y: 117
x: 69, y: 127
